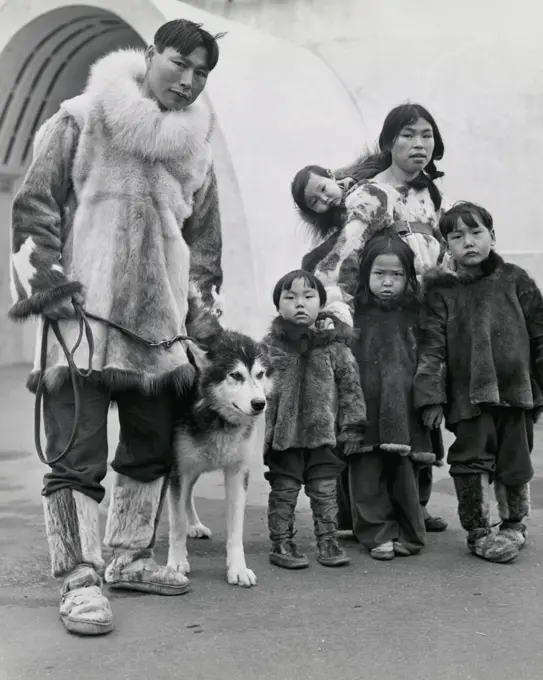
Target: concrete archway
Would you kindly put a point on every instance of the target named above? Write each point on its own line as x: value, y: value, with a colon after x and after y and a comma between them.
x: 272, y: 115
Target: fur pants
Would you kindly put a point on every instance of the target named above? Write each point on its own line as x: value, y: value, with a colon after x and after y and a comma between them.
x: 72, y: 524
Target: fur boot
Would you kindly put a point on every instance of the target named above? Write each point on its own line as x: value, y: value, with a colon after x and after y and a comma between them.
x: 73, y: 531
x: 323, y: 500
x: 133, y: 516
x: 514, y: 507
x: 474, y: 513
x: 73, y: 534
x: 281, y: 508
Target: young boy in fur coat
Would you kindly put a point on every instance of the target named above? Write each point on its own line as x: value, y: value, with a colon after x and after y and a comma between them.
x: 481, y: 364
x: 119, y: 211
x: 316, y: 403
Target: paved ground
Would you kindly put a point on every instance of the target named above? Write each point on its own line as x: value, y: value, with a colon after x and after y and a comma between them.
x: 443, y: 614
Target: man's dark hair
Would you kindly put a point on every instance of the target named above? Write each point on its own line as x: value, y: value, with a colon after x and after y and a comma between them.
x: 310, y: 280
x: 185, y: 36
x: 470, y: 213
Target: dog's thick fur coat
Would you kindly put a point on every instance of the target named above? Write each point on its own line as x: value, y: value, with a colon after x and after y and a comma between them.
x: 218, y: 430
x: 120, y: 203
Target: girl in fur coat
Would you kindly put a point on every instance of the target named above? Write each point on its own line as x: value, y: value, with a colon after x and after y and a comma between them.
x: 387, y: 516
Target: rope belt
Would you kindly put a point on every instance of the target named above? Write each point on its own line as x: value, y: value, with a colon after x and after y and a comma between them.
x: 75, y: 372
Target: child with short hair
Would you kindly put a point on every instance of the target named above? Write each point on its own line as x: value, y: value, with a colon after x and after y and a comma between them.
x: 388, y: 519
x: 316, y: 403
x: 481, y: 365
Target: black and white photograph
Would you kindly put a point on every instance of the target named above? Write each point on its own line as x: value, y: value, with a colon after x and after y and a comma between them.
x: 271, y: 340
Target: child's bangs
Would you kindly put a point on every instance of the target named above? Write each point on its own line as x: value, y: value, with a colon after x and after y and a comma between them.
x: 308, y: 279
x: 471, y: 214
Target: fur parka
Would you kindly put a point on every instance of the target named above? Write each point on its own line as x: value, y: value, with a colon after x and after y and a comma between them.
x: 120, y: 204
x: 386, y: 348
x: 316, y: 400
x: 370, y: 207
x: 481, y: 341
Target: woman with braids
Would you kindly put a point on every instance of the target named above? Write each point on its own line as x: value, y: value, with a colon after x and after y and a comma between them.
x: 392, y: 188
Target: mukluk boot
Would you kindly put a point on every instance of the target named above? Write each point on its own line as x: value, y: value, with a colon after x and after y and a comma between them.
x: 513, y: 507
x: 73, y: 535
x: 133, y: 516
x: 474, y: 513
x: 323, y: 500
x: 281, y: 508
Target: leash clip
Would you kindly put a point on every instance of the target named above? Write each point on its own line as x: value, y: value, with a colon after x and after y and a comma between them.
x: 168, y: 344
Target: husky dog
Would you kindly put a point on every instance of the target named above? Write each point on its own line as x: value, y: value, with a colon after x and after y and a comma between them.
x: 218, y: 431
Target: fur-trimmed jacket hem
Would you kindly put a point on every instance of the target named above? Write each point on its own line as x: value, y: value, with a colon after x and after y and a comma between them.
x: 180, y: 380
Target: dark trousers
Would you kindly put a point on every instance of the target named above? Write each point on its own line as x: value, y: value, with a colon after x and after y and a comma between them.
x: 345, y: 519
x: 498, y: 442
x: 425, y: 480
x: 385, y: 500
x: 303, y: 465
x: 144, y: 452
x: 318, y: 470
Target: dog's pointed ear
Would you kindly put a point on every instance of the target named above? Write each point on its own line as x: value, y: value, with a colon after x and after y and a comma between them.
x: 197, y: 356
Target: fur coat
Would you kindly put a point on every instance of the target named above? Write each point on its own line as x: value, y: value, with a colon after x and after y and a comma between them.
x: 316, y: 399
x: 386, y: 349
x: 120, y: 204
x: 481, y: 342
x: 370, y: 207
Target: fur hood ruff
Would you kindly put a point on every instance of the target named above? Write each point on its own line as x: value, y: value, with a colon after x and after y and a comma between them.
x: 448, y: 277
x: 303, y: 338
x: 136, y: 123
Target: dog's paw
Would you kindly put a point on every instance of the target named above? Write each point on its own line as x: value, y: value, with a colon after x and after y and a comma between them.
x: 240, y: 576
x: 199, y: 531
x: 181, y: 565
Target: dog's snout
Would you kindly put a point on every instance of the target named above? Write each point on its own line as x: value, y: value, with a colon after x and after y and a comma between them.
x: 258, y: 404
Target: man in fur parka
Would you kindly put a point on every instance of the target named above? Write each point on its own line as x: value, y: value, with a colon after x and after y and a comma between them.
x: 119, y: 212
x: 481, y: 365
